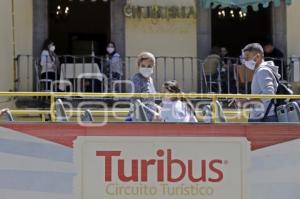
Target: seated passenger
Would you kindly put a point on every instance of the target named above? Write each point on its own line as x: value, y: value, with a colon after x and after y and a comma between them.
x: 143, y: 83
x: 176, y: 109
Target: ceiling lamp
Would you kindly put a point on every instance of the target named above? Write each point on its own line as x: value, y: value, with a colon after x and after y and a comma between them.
x: 62, y: 11
x: 232, y: 13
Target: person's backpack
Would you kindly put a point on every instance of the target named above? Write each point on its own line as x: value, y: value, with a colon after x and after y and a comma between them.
x: 282, y: 89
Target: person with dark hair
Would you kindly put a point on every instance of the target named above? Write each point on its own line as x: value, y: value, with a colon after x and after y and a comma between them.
x: 274, y: 54
x: 114, y: 67
x: 223, y: 52
x: 227, y: 72
x: 265, y: 82
x: 49, y: 62
x: 176, y: 109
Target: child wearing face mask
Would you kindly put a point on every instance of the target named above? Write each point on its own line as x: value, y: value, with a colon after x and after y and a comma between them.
x: 114, y: 67
x: 142, y: 82
x: 49, y: 62
x: 176, y: 109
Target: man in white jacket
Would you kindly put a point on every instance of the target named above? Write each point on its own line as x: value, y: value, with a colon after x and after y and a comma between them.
x: 265, y: 82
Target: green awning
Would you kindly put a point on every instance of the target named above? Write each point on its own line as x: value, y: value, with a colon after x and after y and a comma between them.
x: 243, y: 4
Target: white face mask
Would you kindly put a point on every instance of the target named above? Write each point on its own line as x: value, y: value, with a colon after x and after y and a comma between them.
x: 146, y: 72
x: 110, y: 50
x: 52, y: 48
x: 250, y: 64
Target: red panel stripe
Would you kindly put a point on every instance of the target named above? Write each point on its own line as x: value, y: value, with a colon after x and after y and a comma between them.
x: 260, y: 135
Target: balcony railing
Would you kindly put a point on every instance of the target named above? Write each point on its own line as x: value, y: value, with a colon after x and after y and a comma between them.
x: 93, y: 74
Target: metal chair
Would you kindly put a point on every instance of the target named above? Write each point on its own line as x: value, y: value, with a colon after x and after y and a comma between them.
x: 293, y: 112
x: 140, y: 112
x: 212, y: 73
x: 208, y: 110
x: 61, y: 115
x: 87, y: 116
x: 6, y: 114
x: 207, y: 114
x: 41, y: 84
x: 282, y: 113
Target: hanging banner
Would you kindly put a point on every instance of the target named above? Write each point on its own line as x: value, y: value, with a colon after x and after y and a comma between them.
x: 161, y: 167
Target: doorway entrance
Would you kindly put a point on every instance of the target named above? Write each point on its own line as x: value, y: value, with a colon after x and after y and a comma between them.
x: 233, y: 29
x: 79, y: 27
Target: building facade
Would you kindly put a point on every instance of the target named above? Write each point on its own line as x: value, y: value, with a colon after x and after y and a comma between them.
x: 178, y: 29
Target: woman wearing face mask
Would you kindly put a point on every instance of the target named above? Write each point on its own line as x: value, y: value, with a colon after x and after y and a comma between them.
x: 176, y: 109
x: 143, y: 83
x: 49, y: 62
x: 114, y: 69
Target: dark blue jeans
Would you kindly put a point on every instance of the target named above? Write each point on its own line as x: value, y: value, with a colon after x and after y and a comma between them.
x: 269, y: 119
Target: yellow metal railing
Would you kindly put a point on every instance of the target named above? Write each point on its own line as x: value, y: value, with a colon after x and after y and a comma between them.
x: 145, y: 95
x: 43, y: 113
x: 212, y: 97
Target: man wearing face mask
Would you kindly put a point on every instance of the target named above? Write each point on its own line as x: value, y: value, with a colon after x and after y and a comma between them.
x: 264, y: 81
x: 143, y: 82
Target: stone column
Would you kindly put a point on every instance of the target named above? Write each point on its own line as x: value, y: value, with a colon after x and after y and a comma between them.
x: 203, y: 40
x: 203, y: 31
x: 117, y: 19
x: 40, y: 25
x: 279, y: 27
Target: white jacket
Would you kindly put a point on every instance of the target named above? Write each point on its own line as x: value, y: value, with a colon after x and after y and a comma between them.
x: 176, y: 111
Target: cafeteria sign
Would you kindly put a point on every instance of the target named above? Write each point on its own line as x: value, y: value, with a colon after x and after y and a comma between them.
x: 160, y: 167
x: 159, y: 12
